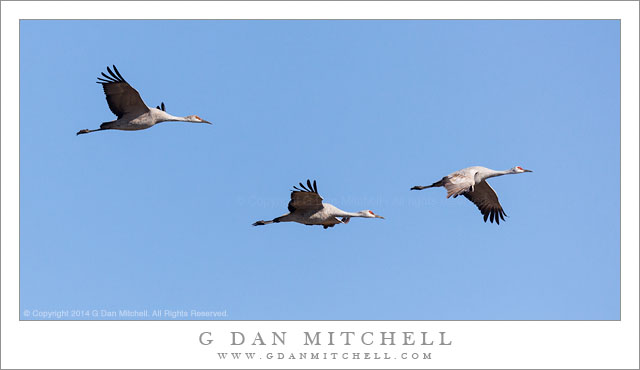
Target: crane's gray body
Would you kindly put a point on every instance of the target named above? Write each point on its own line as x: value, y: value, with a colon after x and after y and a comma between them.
x: 140, y: 120
x: 125, y: 102
x: 471, y: 182
x: 306, y: 207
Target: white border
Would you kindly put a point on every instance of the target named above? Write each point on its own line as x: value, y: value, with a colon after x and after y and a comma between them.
x: 489, y: 344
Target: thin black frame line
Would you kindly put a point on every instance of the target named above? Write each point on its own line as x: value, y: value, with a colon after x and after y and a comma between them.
x: 357, y: 320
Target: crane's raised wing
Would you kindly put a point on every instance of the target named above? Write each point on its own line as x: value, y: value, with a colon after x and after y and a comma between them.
x: 121, y: 97
x: 457, y: 183
x: 485, y: 198
x: 305, y: 199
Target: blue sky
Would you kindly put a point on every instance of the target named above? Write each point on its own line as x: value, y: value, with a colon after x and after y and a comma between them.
x: 161, y: 218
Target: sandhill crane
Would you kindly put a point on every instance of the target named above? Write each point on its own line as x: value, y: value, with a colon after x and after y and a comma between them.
x: 126, y: 103
x: 471, y: 183
x: 306, y: 207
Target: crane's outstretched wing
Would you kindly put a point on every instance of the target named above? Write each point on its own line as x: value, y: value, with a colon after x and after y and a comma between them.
x: 485, y: 198
x: 121, y: 97
x: 306, y: 198
x: 457, y: 183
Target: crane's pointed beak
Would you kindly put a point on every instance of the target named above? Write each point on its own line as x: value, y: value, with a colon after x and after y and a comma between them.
x: 378, y: 216
x: 203, y: 121
x: 527, y: 171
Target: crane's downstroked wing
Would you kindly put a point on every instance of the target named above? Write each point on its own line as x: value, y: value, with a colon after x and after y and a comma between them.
x: 485, y: 198
x: 457, y: 184
x: 305, y: 198
x: 121, y: 97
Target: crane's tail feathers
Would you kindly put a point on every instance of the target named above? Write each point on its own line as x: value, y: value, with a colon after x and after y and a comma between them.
x: 107, y: 125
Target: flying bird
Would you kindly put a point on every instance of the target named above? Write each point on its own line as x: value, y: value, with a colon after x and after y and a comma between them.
x: 306, y: 207
x: 125, y: 102
x: 471, y: 182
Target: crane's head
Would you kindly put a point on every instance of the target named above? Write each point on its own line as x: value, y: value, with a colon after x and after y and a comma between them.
x: 194, y: 118
x: 519, y: 169
x: 369, y: 214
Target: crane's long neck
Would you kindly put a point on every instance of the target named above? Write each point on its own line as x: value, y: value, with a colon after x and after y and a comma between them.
x: 341, y: 213
x: 166, y: 117
x: 493, y: 173
x: 175, y: 118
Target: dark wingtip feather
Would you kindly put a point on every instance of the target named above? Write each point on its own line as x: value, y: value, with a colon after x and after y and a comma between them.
x: 162, y: 105
x: 118, y: 73
x: 308, y: 188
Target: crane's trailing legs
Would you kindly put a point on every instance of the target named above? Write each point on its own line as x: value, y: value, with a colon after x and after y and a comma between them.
x: 435, y: 184
x: 103, y: 126
x: 86, y: 131
x: 275, y: 220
